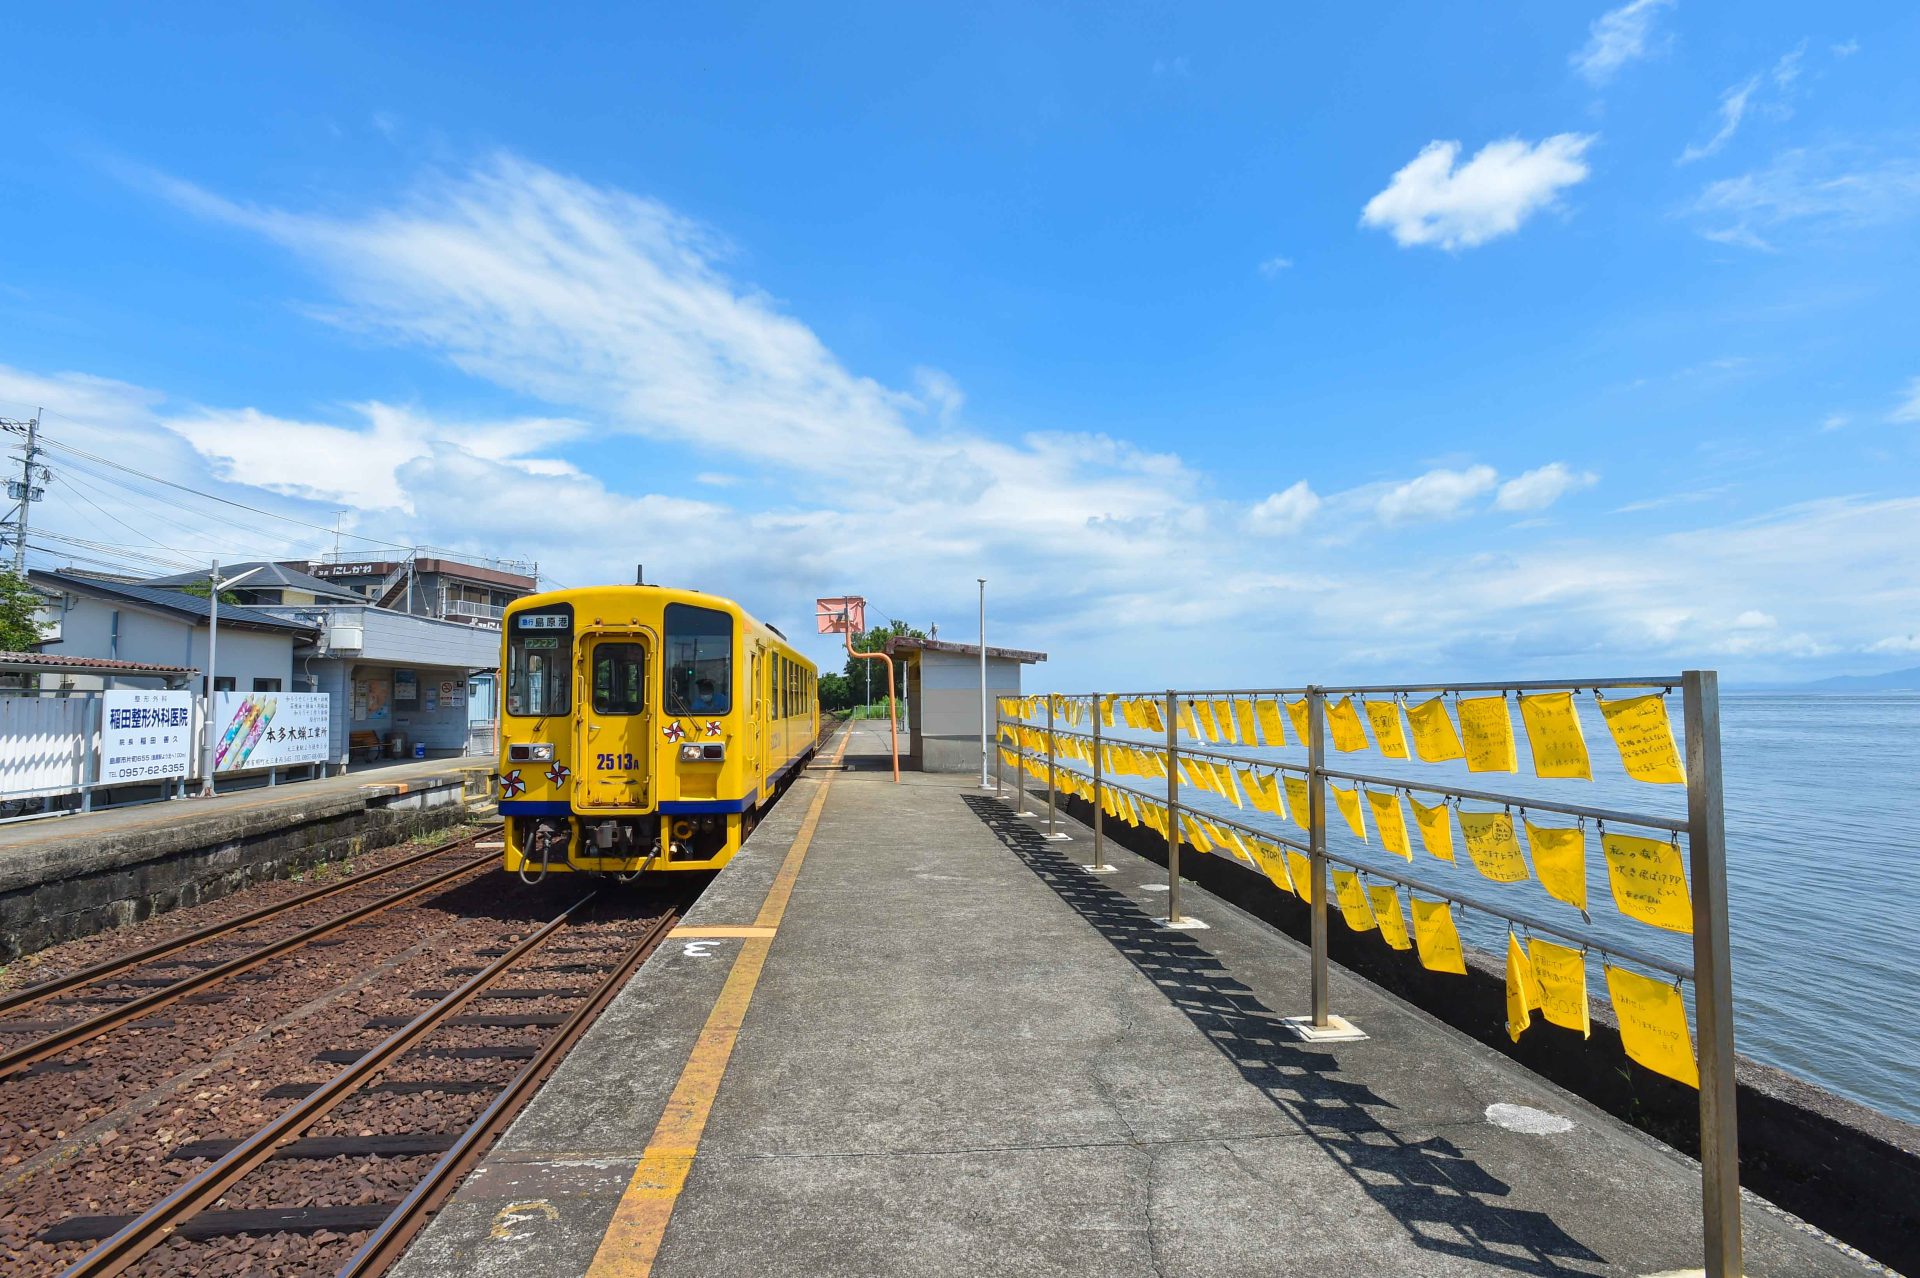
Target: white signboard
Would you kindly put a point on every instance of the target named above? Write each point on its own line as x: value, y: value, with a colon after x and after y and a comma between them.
x: 145, y: 735
x: 269, y: 729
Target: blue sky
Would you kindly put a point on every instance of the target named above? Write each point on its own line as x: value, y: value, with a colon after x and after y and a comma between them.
x: 1232, y: 343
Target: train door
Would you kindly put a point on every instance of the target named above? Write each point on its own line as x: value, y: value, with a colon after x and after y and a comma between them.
x: 614, y: 724
x: 757, y: 723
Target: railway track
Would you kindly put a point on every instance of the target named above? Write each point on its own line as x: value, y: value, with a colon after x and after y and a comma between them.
x: 217, y: 1220
x: 130, y: 1003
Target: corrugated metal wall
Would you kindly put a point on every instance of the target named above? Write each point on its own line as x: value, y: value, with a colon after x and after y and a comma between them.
x: 45, y: 742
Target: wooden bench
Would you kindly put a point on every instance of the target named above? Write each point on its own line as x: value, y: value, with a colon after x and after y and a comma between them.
x: 363, y: 745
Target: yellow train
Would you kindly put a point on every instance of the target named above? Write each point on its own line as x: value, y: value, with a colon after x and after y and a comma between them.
x: 643, y: 728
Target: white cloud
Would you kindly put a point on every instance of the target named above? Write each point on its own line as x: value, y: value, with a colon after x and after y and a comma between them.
x: 1505, y: 183
x: 1845, y: 49
x: 1618, y: 37
x: 1735, y: 101
x: 1438, y: 494
x: 1834, y: 421
x: 1817, y: 190
x: 1286, y: 511
x: 1896, y: 643
x: 1909, y: 409
x: 1273, y: 266
x: 1540, y: 488
x: 940, y: 393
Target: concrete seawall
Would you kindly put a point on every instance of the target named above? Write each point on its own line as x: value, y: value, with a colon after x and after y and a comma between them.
x: 1847, y: 1169
x: 72, y: 877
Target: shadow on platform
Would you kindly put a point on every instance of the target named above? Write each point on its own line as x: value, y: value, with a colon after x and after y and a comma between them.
x: 1447, y: 1202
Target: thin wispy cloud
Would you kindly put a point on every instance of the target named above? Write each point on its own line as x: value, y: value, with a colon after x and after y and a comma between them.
x: 1432, y: 202
x: 1538, y: 489
x: 1908, y: 410
x: 1620, y: 36
x: 1735, y: 101
x: 1809, y: 191
x: 1274, y: 267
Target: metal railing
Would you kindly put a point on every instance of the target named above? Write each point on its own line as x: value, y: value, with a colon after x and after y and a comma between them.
x: 1036, y: 750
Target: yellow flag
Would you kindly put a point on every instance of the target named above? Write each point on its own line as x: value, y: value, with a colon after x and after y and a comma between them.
x: 1194, y: 834
x: 1493, y: 847
x: 1243, y: 715
x: 1189, y: 724
x: 1009, y: 758
x: 1349, y: 803
x: 1269, y: 715
x: 1563, y: 985
x: 1487, y: 729
x: 1553, y: 735
x: 1220, y: 836
x: 1649, y: 881
x: 1644, y: 735
x: 1436, y: 938
x: 1653, y: 1024
x: 1386, y: 911
x: 1150, y: 716
x: 1436, y: 828
x: 1387, y: 733
x: 1560, y: 859
x: 1106, y: 711
x: 1223, y: 783
x: 1353, y: 902
x: 1300, y: 866
x: 1301, y: 714
x: 1523, y: 992
x: 1434, y: 739
x: 1390, y: 821
x: 1208, y: 719
x: 1262, y: 799
x: 1297, y: 802
x: 1223, y: 716
x: 1272, y: 862
x: 1343, y: 722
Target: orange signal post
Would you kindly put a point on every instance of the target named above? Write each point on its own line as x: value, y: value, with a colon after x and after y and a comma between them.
x: 844, y: 616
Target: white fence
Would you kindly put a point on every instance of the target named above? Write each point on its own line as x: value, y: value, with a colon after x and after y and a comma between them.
x: 47, y: 744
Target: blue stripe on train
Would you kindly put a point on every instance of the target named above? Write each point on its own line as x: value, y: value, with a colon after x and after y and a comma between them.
x: 535, y: 807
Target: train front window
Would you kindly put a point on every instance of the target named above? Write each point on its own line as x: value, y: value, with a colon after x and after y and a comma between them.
x: 619, y: 678
x: 699, y: 660
x: 540, y: 662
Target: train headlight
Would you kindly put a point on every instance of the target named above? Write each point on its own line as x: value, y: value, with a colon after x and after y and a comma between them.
x: 690, y: 752
x: 703, y: 752
x: 541, y: 752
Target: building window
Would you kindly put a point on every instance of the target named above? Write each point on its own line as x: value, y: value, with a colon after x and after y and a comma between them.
x: 266, y: 685
x: 699, y: 660
x: 224, y: 683
x: 619, y: 678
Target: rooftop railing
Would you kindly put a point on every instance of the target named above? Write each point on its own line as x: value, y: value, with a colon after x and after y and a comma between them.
x: 1195, y: 759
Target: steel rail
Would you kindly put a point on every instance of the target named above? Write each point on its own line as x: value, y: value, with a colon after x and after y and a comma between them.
x: 28, y: 995
x: 1532, y: 922
x: 383, y: 1247
x: 204, y: 1188
x: 80, y: 1031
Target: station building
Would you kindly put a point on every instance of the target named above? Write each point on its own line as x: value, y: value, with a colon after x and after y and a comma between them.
x: 943, y: 698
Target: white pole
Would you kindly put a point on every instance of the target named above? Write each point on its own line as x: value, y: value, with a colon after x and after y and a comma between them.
x: 213, y: 649
x: 986, y: 781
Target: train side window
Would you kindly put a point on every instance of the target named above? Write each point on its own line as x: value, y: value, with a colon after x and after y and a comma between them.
x: 699, y: 660
x: 619, y: 678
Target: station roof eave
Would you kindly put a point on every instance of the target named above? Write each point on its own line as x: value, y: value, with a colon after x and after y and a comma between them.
x: 55, y: 663
x: 912, y: 643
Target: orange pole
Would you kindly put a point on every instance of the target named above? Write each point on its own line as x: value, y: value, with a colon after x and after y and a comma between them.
x: 893, y: 725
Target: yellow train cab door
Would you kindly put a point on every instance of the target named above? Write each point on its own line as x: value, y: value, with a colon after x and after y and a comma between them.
x: 757, y: 724
x: 614, y: 727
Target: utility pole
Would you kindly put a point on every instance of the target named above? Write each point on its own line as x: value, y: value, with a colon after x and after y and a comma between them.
x: 338, y: 515
x: 22, y: 489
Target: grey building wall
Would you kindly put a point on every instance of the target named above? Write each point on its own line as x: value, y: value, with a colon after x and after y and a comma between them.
x: 90, y: 629
x: 944, y: 701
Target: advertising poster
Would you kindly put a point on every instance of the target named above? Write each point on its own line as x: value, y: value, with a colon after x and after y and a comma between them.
x: 269, y: 729
x: 145, y: 735
x: 406, y: 687
x: 379, y: 697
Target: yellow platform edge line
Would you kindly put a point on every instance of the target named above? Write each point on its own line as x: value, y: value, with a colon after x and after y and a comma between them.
x: 639, y: 1225
x: 721, y: 931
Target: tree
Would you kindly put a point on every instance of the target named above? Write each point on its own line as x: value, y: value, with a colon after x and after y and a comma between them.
x: 204, y: 590
x: 873, y: 641
x: 836, y: 693
x: 20, y: 605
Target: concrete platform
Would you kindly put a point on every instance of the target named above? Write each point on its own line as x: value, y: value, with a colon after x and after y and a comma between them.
x: 966, y: 1055
x: 68, y: 876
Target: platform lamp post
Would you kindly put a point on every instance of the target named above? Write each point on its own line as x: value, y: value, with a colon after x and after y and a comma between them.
x: 215, y: 584
x: 986, y: 781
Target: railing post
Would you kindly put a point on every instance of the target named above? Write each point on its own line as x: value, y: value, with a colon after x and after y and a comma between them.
x: 1317, y: 844
x: 90, y: 762
x: 1020, y: 773
x: 1174, y: 917
x: 1713, y: 976
x: 1053, y: 834
x: 999, y: 764
x: 1099, y: 865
